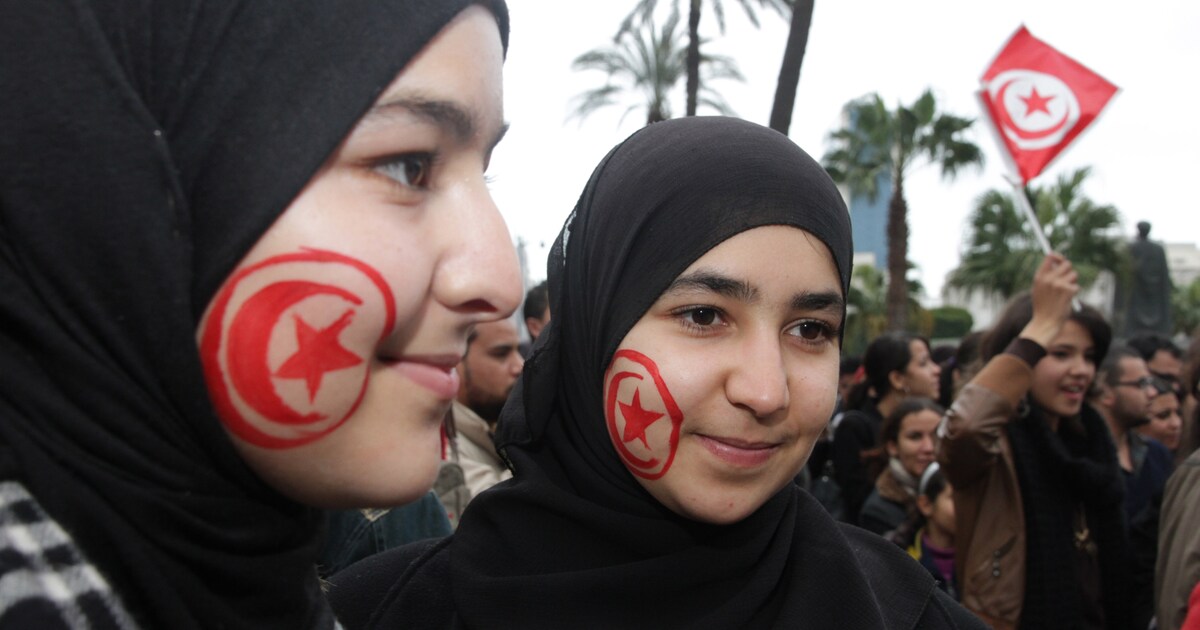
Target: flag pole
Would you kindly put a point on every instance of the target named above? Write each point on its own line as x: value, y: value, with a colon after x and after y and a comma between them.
x: 1030, y: 215
x: 1038, y: 233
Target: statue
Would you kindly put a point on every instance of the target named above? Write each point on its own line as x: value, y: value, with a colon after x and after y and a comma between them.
x: 1148, y: 299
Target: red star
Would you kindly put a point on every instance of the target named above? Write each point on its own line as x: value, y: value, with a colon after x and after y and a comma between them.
x: 318, y: 352
x: 637, y: 419
x: 1036, y: 102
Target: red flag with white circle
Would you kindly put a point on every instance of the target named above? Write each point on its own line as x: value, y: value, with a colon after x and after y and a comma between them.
x: 1040, y: 100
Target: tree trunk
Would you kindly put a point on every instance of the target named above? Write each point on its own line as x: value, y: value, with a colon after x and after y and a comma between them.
x: 693, y: 57
x: 789, y: 71
x: 897, y: 257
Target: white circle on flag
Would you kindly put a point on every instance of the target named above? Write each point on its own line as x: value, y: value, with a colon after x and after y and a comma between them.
x: 1036, y: 110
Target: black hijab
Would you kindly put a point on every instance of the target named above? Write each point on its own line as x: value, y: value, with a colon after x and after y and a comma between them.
x: 144, y: 147
x: 574, y: 539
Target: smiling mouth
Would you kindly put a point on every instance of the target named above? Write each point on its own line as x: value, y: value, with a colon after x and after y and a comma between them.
x: 739, y: 453
x: 435, y: 373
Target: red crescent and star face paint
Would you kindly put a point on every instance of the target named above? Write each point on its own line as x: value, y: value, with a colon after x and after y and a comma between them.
x: 643, y: 419
x: 278, y: 371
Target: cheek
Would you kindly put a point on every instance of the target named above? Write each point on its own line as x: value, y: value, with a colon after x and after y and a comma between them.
x: 288, y: 342
x: 641, y: 415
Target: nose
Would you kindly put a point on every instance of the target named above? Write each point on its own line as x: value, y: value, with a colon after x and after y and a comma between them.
x: 757, y: 380
x: 477, y: 274
x: 516, y: 364
x: 1082, y: 366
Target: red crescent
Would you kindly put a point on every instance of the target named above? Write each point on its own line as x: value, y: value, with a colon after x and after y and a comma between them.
x: 210, y: 346
x: 673, y: 412
x: 250, y: 336
x: 610, y: 408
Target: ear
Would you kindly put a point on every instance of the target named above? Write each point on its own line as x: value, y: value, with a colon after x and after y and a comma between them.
x: 1105, y: 395
x: 893, y: 449
x: 924, y: 505
x: 898, y: 381
x: 534, y: 325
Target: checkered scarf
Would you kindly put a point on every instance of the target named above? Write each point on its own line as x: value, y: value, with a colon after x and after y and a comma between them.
x: 44, y: 579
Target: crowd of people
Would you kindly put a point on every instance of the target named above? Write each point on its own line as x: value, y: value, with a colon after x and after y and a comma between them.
x: 260, y: 372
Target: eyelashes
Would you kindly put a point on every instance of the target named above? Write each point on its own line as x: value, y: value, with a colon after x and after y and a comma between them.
x: 409, y: 170
x: 705, y: 321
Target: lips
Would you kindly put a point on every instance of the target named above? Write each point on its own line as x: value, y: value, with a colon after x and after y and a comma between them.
x: 739, y: 453
x: 436, y: 374
x: 1074, y: 393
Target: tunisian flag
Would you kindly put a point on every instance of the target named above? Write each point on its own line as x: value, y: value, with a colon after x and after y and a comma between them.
x: 1039, y: 100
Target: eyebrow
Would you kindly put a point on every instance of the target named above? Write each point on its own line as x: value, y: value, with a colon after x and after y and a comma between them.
x: 701, y: 280
x: 458, y: 120
x: 704, y: 280
x: 818, y: 301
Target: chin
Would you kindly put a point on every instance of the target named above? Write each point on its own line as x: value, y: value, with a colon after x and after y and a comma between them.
x: 716, y: 511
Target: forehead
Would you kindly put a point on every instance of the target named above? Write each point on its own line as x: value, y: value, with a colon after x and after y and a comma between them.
x: 1073, y: 334
x: 1164, y: 401
x: 490, y: 333
x: 1163, y: 361
x: 920, y: 419
x: 773, y: 256
x: 1132, y: 367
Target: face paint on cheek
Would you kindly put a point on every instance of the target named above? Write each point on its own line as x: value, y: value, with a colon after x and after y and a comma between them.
x: 276, y: 367
x: 642, y: 417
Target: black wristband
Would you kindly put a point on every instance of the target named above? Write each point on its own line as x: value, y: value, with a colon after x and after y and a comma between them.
x: 1027, y: 350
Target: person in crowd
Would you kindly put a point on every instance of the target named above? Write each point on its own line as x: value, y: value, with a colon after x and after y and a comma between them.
x: 1164, y: 422
x: 960, y: 368
x: 1189, y: 410
x: 236, y: 282
x: 1121, y: 395
x: 1162, y: 356
x: 819, y: 463
x: 896, y: 365
x: 655, y: 433
x: 1040, y: 533
x: 536, y: 313
x: 909, y: 439
x: 933, y: 543
x: 1177, y: 574
x: 489, y: 370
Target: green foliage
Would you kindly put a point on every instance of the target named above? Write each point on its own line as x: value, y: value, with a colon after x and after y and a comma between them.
x: 886, y: 142
x: 648, y: 63
x: 950, y: 322
x: 1002, y: 252
x: 1185, y: 307
x: 866, y: 316
x: 644, y: 10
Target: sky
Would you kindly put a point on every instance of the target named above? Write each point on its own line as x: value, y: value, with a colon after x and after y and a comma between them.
x: 1144, y: 150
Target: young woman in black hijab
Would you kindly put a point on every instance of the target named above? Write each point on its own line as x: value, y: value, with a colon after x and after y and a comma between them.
x: 698, y: 298
x: 241, y: 247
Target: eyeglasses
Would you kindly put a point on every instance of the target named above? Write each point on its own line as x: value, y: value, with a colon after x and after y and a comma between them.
x: 1146, y: 382
x: 1168, y: 382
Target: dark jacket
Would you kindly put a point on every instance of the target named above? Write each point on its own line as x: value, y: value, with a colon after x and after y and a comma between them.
x: 410, y: 587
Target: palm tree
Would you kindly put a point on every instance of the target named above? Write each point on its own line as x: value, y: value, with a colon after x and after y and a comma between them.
x: 649, y: 62
x: 882, y: 143
x: 866, y: 312
x: 645, y: 9
x: 1002, y: 252
x: 789, y: 70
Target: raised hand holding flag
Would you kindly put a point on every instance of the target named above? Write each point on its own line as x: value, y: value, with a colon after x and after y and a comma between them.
x: 1039, y: 100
